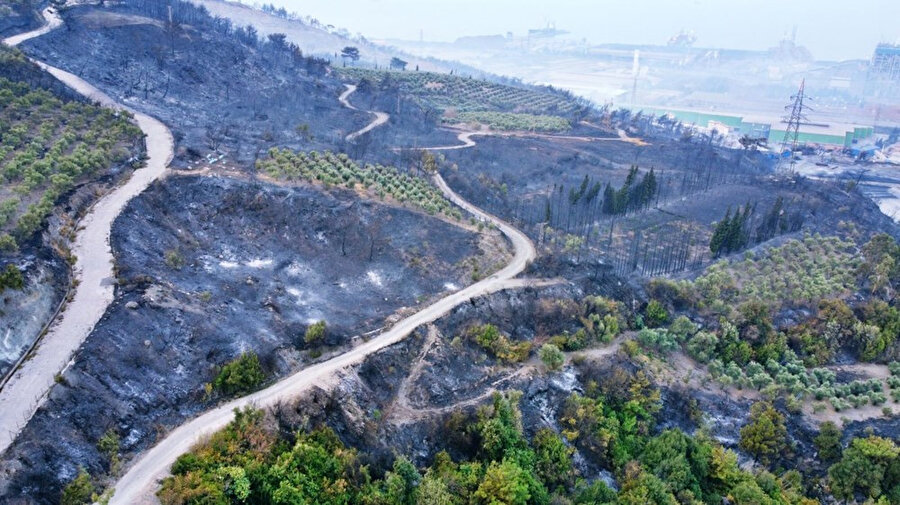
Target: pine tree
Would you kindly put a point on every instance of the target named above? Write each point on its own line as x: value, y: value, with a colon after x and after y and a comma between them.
x: 650, y: 187
x: 720, y: 233
x: 609, y: 200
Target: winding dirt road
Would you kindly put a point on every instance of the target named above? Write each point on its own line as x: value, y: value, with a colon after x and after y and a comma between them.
x: 138, y: 484
x: 466, y: 138
x: 93, y: 271
x: 380, y: 117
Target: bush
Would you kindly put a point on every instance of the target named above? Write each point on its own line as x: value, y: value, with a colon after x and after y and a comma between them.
x: 683, y: 328
x: 489, y: 337
x: 315, y: 333
x: 11, y: 278
x: 551, y: 356
x: 8, y: 243
x: 656, y: 314
x: 174, y: 260
x: 240, y: 376
x: 828, y: 442
x: 79, y: 491
x: 659, y: 339
x: 764, y: 436
x: 894, y: 367
x: 702, y: 346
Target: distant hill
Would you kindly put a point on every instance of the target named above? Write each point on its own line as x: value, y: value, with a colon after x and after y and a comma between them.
x: 320, y: 40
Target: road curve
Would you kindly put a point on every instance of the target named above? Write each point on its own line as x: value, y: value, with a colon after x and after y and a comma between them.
x: 93, y: 270
x: 380, y: 117
x: 466, y: 138
x: 138, y: 484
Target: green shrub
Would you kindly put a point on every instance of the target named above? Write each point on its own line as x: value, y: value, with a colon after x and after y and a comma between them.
x: 240, y: 376
x: 109, y: 445
x: 551, y: 356
x: 174, y: 259
x: 315, y: 333
x: 8, y: 243
x: 79, y: 490
x: 894, y: 367
x: 489, y: 337
x: 702, y: 346
x: 658, y: 339
x: 11, y: 278
x: 655, y: 314
x: 683, y: 328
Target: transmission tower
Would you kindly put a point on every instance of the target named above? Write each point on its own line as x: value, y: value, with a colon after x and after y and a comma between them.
x: 797, y: 116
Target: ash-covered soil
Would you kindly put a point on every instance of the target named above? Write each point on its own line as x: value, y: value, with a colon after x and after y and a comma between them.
x: 215, y: 88
x: 19, y: 16
x: 209, y: 268
x: 419, y: 397
x: 43, y: 263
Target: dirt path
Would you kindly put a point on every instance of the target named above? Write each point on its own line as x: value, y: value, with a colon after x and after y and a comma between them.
x: 402, y: 411
x: 466, y: 138
x: 380, y: 117
x: 138, y: 484
x: 52, y: 20
x: 93, y: 271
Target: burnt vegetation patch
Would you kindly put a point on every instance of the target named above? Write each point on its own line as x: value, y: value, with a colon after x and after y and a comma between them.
x: 221, y: 283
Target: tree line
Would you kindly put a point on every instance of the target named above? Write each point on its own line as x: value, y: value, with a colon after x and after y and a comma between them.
x: 735, y: 231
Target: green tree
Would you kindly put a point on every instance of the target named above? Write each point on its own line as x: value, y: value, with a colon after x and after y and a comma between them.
x: 656, y: 314
x: 765, y: 435
x: 79, y: 490
x: 240, y: 376
x: 749, y: 493
x: 109, y: 445
x: 11, y: 278
x: 500, y: 427
x: 433, y: 491
x: 702, y: 346
x: 504, y: 483
x: 828, y: 442
x: 642, y: 488
x: 869, y: 465
x: 551, y: 356
x: 401, y: 482
x: 553, y: 459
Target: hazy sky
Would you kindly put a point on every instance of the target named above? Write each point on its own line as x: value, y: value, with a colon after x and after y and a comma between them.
x: 830, y: 29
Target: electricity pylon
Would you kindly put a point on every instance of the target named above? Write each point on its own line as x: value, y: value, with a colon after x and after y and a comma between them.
x: 792, y: 132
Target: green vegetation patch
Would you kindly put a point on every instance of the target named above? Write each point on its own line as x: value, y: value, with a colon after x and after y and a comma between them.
x: 800, y: 271
x: 47, y: 147
x: 249, y: 462
x: 332, y: 169
x: 511, y: 121
x: 500, y: 346
x: 240, y: 376
x: 445, y: 91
